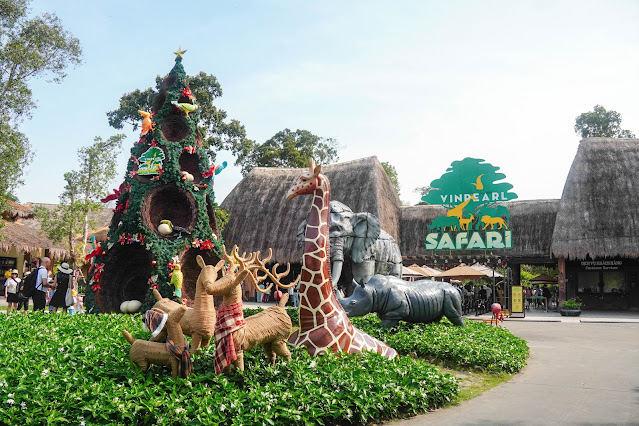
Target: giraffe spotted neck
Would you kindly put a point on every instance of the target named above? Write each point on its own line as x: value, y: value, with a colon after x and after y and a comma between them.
x: 318, y: 302
x: 324, y: 325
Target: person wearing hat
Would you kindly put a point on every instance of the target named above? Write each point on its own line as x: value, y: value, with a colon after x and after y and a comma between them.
x: 63, y: 280
x: 11, y: 286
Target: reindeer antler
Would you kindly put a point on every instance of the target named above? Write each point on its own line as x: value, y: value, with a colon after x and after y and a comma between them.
x: 274, y: 275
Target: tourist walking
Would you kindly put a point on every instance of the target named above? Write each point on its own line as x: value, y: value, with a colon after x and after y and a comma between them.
x: 41, y: 285
x: 11, y: 288
x: 62, y: 283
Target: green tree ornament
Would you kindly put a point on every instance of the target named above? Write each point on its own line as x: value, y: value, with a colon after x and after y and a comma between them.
x: 139, y: 253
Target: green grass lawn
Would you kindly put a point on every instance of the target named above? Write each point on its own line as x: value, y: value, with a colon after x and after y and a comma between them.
x: 62, y: 368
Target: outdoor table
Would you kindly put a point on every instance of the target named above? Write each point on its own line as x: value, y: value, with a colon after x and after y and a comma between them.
x: 533, y: 298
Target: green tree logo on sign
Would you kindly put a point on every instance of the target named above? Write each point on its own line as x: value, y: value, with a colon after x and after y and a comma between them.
x: 151, y: 161
x: 470, y: 190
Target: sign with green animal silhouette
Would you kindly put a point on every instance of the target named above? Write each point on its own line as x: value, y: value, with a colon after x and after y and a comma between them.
x: 151, y: 161
x: 470, y: 190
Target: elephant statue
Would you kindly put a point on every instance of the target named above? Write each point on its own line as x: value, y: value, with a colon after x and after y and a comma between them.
x: 359, y: 248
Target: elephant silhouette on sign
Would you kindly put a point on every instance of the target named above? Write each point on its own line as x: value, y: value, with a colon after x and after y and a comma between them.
x: 359, y: 248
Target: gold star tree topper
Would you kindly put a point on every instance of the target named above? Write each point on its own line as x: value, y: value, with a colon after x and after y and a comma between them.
x: 180, y: 53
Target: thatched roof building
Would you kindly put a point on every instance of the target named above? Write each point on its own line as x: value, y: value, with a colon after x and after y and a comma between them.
x: 22, y: 232
x: 599, y: 210
x: 532, y: 222
x: 261, y: 217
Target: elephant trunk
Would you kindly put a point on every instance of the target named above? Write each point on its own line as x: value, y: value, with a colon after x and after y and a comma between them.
x: 336, y: 272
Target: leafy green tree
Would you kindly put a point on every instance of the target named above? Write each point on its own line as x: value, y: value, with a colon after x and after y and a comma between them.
x: 15, y: 152
x: 30, y: 48
x: 392, y: 175
x: 82, y: 193
x: 213, y: 128
x: 600, y: 123
x: 222, y: 217
x: 288, y: 148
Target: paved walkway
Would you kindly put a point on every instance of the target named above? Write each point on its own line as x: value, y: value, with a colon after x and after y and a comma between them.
x: 581, y: 371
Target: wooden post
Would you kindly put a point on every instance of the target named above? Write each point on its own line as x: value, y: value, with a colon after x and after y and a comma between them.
x: 562, y: 280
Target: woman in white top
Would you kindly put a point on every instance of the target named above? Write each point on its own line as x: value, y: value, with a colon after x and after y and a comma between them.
x: 11, y: 287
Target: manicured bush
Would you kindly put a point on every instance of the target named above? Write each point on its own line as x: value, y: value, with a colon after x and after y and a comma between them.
x: 76, y: 369
x: 477, y: 345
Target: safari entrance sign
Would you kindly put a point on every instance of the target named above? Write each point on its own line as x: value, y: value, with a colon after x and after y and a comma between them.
x: 470, y: 191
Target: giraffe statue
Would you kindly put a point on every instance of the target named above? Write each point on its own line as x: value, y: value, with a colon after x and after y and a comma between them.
x: 324, y: 326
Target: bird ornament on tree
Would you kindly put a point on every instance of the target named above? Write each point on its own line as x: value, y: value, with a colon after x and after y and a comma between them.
x: 184, y: 107
x: 176, y: 280
x: 214, y: 171
x: 167, y: 228
x: 147, y: 124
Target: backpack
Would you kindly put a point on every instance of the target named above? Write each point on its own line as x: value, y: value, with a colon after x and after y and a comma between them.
x: 29, y: 284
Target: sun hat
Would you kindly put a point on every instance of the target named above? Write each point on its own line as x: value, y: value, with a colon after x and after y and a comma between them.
x: 15, y: 271
x: 64, y: 268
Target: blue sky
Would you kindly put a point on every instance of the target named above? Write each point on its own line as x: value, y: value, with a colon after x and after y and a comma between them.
x: 417, y: 83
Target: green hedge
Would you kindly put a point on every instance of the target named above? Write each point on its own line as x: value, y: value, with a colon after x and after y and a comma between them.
x: 475, y: 346
x: 60, y: 368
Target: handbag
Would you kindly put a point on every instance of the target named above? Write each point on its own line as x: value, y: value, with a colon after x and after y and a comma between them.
x: 68, y: 298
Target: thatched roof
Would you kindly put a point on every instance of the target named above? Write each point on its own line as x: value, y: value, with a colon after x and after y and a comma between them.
x: 16, y: 211
x: 599, y: 211
x: 26, y: 236
x: 532, y: 222
x: 24, y: 233
x: 261, y: 217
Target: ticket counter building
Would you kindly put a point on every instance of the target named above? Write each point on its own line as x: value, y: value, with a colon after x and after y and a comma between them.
x: 596, y: 234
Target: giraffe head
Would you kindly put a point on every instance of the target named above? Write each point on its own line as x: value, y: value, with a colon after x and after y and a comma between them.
x: 306, y: 183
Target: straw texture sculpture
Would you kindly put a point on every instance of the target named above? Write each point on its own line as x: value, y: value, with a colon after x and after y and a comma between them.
x: 145, y: 354
x: 270, y: 328
x: 198, y: 322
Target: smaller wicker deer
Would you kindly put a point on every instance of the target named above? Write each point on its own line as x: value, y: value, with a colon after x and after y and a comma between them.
x: 198, y: 322
x: 145, y: 353
x: 269, y: 329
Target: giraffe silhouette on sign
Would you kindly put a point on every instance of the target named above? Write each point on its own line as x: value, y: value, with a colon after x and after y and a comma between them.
x: 324, y: 325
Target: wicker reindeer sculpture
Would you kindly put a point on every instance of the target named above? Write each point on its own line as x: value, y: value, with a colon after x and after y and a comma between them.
x: 174, y: 353
x: 234, y: 334
x: 198, y: 322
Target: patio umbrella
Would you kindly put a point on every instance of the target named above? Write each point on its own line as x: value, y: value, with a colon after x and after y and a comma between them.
x: 425, y: 270
x: 543, y: 279
x: 409, y: 274
x: 488, y: 271
x: 462, y: 272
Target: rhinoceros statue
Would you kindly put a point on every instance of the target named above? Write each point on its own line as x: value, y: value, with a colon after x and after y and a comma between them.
x: 394, y: 299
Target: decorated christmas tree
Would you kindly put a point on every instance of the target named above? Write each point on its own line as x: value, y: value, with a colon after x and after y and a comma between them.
x: 164, y: 212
